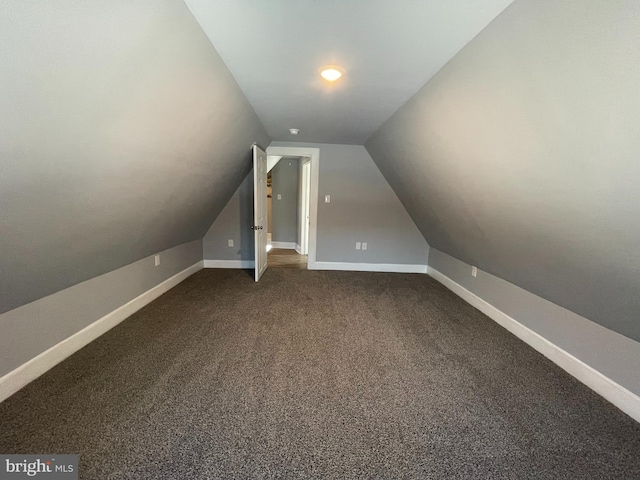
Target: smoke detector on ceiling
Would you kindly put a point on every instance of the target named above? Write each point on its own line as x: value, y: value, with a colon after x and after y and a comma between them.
x: 294, y: 131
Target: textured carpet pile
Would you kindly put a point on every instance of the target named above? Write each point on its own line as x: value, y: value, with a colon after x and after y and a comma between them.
x: 317, y: 375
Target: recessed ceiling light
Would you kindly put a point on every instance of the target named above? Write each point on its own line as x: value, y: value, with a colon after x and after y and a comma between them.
x: 331, y: 73
x: 294, y: 131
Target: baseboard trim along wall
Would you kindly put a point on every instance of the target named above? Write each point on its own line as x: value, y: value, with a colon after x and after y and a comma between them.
x: 285, y: 245
x: 368, y: 267
x: 34, y: 368
x: 299, y: 249
x: 621, y: 397
x: 229, y: 264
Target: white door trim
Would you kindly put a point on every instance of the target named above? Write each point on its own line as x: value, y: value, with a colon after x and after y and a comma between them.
x: 304, y: 205
x: 314, y: 154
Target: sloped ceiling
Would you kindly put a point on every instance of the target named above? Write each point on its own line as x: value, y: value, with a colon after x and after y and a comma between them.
x: 274, y: 48
x: 521, y: 155
x: 122, y: 134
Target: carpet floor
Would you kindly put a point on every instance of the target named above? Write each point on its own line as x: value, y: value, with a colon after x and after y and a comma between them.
x: 312, y: 374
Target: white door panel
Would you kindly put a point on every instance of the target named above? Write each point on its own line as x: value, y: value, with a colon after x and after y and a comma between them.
x: 260, y: 209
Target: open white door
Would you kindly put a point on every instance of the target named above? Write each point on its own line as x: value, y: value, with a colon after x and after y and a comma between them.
x: 260, y: 209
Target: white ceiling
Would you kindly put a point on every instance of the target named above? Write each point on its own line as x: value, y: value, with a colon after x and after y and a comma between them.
x: 389, y: 50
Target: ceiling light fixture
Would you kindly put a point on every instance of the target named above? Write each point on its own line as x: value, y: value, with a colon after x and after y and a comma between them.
x: 294, y: 131
x: 331, y: 73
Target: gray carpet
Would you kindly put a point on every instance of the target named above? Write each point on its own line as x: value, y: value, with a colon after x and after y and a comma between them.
x: 317, y: 375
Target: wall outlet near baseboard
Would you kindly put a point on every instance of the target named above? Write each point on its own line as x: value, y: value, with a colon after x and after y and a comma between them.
x: 230, y: 242
x: 157, y: 260
x: 364, y: 245
x: 474, y: 271
x: 358, y: 245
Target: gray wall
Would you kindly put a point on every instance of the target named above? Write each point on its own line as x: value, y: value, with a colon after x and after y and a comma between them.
x: 122, y: 134
x: 31, y: 329
x: 284, y: 226
x: 363, y: 208
x: 612, y: 354
x: 233, y: 223
x: 521, y: 155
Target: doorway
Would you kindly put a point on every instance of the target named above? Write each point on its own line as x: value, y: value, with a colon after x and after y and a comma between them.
x: 288, y: 189
x: 313, y: 154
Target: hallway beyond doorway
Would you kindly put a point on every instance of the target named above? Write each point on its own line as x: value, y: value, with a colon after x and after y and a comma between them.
x: 285, y: 258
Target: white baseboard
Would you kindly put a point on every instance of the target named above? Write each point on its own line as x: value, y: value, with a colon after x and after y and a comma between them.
x: 229, y: 264
x: 29, y: 371
x: 299, y: 249
x: 285, y: 245
x: 615, y: 393
x: 368, y: 267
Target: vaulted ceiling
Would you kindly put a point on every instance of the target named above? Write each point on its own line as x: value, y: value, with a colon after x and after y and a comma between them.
x: 389, y: 50
x: 514, y: 147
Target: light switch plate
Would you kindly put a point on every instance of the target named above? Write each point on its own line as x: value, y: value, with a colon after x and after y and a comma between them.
x: 327, y: 199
